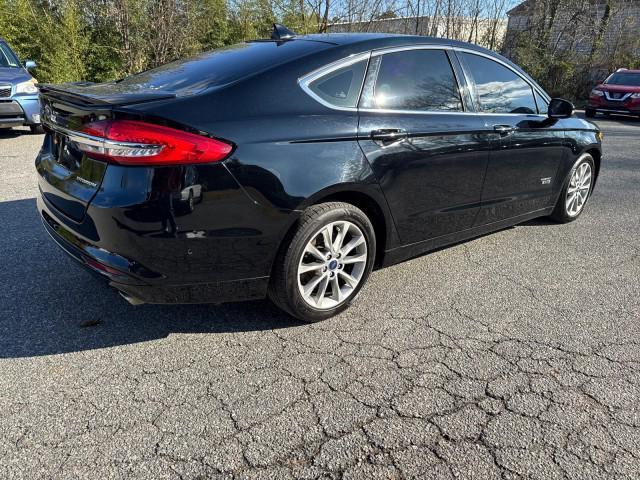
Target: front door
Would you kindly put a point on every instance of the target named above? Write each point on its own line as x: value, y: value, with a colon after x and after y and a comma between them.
x: 522, y: 175
x: 429, y: 156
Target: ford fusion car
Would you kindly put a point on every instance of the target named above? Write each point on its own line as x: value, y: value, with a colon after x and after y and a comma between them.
x: 18, y: 93
x: 317, y: 158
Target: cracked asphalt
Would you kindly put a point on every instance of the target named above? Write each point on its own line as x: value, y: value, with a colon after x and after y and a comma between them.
x: 515, y: 355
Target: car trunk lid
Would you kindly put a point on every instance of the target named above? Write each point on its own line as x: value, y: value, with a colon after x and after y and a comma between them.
x: 69, y: 179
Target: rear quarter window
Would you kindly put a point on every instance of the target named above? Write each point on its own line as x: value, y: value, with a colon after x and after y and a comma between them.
x: 341, y: 87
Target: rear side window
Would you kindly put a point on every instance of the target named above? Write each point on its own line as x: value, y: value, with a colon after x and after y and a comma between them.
x: 412, y: 80
x: 340, y: 88
x: 498, y: 89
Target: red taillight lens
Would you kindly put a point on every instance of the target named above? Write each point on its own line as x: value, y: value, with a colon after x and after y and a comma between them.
x: 130, y: 142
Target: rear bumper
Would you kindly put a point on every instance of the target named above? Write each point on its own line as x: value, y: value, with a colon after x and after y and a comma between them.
x: 102, y: 263
x: 150, y: 244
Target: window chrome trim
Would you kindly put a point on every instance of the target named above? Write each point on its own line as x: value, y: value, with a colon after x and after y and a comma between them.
x: 305, y: 80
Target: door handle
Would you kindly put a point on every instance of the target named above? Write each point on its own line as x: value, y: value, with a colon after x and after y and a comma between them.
x: 504, y: 130
x: 388, y: 135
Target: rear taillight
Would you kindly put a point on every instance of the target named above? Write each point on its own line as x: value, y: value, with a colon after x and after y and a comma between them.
x: 130, y: 142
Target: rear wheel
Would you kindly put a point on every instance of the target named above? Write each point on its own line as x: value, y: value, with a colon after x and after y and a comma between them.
x: 190, y: 201
x: 325, y: 264
x: 576, y: 191
x: 589, y: 112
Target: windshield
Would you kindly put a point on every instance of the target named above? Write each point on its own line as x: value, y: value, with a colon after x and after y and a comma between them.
x: 621, y: 78
x: 7, y: 57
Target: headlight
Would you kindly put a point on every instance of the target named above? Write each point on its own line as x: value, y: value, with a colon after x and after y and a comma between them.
x: 597, y: 93
x: 635, y: 95
x: 28, y: 87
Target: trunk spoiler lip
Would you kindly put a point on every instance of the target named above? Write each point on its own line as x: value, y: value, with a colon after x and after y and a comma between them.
x: 66, y: 93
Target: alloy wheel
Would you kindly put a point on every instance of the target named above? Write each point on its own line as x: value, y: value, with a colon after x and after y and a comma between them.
x: 332, y: 265
x: 578, y: 190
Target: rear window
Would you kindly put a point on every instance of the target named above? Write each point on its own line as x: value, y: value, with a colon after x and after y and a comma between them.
x: 630, y: 79
x: 221, y: 66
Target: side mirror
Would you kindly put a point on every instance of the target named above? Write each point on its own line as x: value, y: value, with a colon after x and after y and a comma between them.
x: 560, y: 108
x: 30, y: 64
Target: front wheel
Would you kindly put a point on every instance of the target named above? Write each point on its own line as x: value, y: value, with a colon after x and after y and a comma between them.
x: 36, y: 129
x: 320, y: 271
x: 576, y: 191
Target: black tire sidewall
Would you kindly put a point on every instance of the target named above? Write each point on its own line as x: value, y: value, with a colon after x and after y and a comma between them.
x: 297, y: 306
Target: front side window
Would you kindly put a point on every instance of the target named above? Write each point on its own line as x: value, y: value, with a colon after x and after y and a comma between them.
x: 340, y: 87
x: 543, y: 105
x: 7, y: 57
x: 411, y: 80
x: 498, y: 89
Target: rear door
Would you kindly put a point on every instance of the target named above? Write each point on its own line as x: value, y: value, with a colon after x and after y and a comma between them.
x: 427, y: 152
x: 528, y: 147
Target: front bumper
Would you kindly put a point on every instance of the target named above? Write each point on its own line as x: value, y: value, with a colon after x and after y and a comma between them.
x: 19, y: 110
x: 630, y: 107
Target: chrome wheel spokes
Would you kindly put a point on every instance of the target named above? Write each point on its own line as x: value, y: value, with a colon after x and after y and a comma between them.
x: 332, y: 264
x: 578, y: 190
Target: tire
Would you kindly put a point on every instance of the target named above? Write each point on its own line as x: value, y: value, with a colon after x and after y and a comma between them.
x: 287, y: 280
x: 191, y: 202
x: 589, y: 112
x: 36, y: 129
x: 565, y: 211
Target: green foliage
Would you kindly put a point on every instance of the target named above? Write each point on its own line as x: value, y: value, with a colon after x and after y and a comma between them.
x: 101, y: 40
x: 572, y: 72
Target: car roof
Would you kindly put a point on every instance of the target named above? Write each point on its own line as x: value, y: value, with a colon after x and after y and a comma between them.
x: 381, y: 40
x: 359, y: 42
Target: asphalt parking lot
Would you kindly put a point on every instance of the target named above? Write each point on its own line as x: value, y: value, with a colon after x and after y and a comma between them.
x: 515, y: 355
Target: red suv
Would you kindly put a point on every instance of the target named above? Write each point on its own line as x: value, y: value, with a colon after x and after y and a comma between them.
x: 619, y: 93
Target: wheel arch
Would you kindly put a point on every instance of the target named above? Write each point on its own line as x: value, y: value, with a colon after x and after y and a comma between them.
x: 596, y: 154
x: 367, y: 198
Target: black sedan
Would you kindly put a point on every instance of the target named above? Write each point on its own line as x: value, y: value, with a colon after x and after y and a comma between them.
x: 291, y: 167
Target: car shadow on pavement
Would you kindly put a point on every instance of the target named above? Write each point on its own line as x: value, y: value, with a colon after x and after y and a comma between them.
x: 51, y: 305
